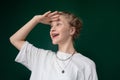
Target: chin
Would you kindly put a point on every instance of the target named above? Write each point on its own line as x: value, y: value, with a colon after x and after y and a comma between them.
x: 54, y: 43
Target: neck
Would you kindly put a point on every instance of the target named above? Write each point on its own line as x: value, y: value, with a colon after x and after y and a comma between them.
x: 66, y: 47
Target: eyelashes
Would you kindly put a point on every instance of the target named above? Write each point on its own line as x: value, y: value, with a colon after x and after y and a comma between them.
x: 57, y: 24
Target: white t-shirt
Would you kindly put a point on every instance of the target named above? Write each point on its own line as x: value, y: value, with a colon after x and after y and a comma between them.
x: 44, y: 65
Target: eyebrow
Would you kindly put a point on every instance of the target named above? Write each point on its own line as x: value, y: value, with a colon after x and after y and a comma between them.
x: 56, y: 22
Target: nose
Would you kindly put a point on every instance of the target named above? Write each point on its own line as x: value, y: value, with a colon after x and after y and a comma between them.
x: 52, y: 29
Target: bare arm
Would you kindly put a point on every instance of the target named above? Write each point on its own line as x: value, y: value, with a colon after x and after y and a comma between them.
x: 18, y: 38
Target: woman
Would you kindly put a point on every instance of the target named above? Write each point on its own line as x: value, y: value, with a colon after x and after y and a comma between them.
x: 66, y: 63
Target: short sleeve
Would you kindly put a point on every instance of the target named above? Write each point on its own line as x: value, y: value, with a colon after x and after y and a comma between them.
x: 28, y: 54
x: 90, y: 72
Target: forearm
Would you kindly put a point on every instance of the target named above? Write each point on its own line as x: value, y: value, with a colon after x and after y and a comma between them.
x: 22, y: 33
x: 18, y: 38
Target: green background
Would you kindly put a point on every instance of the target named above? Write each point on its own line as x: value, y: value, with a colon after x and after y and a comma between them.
x: 99, y: 38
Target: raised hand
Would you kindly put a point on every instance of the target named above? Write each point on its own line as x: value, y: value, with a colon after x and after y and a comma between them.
x: 47, y: 17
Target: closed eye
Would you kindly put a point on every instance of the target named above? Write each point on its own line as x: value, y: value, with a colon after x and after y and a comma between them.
x: 58, y: 24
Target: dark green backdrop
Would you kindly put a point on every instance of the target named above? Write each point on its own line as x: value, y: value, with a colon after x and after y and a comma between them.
x: 99, y: 38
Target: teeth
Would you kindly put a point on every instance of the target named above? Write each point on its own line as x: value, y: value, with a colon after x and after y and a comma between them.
x: 54, y: 35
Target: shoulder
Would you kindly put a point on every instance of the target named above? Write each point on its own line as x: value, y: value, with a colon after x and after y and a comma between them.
x: 83, y: 60
x: 30, y: 48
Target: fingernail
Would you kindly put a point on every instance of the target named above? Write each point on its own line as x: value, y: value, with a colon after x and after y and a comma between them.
x: 56, y: 11
x: 49, y: 11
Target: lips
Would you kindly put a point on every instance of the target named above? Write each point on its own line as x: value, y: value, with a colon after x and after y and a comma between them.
x: 54, y: 35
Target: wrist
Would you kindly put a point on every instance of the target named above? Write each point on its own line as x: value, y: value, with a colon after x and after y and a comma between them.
x: 37, y: 19
x: 34, y: 19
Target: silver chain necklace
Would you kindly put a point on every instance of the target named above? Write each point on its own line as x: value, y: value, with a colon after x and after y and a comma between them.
x: 66, y: 58
x: 63, y: 69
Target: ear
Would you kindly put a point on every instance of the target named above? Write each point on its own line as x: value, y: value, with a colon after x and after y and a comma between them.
x: 72, y: 31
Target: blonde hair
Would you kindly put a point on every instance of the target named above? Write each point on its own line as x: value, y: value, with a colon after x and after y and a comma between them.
x: 73, y: 21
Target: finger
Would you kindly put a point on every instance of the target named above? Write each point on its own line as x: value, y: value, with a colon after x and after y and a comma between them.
x: 60, y: 12
x: 55, y: 16
x: 53, y: 13
x: 55, y: 19
x: 45, y: 14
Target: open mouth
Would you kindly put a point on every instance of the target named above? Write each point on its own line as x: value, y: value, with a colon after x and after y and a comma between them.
x: 55, y: 35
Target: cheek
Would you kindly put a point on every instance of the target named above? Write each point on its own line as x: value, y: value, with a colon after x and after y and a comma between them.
x: 65, y: 32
